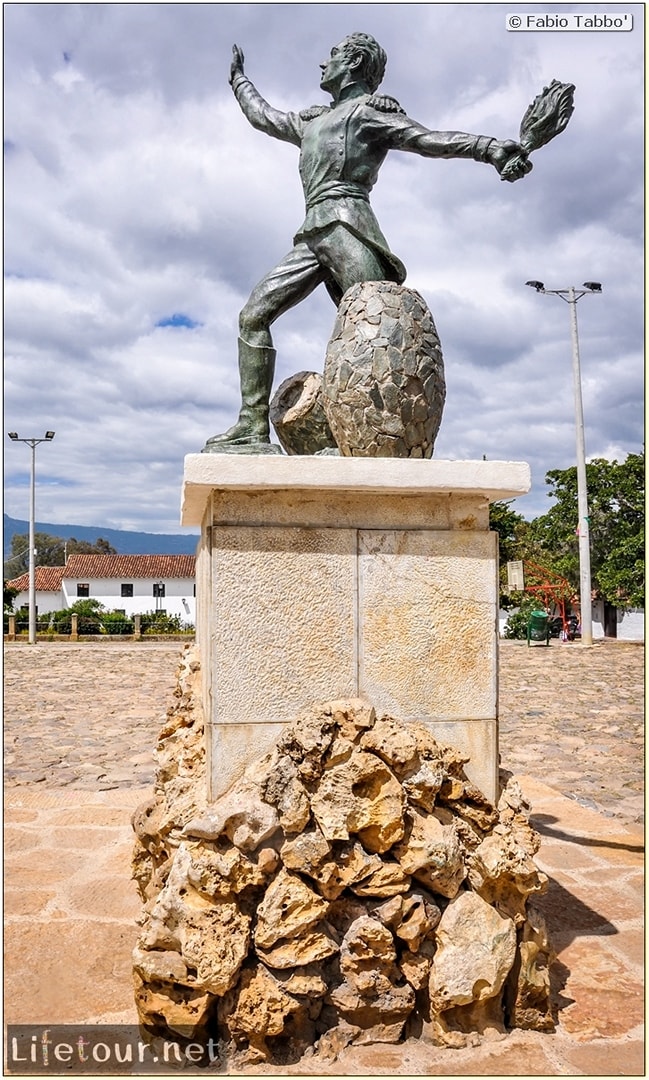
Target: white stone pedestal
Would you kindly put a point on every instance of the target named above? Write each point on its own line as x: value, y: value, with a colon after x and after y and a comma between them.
x: 328, y: 577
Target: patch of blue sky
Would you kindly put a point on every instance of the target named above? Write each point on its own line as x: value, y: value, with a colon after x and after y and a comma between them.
x: 58, y: 481
x: 20, y: 479
x: 178, y: 319
x: 17, y: 479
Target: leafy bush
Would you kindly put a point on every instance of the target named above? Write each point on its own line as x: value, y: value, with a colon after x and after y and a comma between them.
x: 516, y: 628
x: 114, y: 622
x: 93, y: 618
x: 158, y: 622
x: 89, y: 614
x: 87, y: 607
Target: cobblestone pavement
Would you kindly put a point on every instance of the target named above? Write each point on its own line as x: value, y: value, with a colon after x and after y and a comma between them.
x: 574, y: 718
x: 87, y: 715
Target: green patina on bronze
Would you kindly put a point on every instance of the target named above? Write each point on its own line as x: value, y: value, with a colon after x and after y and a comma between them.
x: 340, y: 244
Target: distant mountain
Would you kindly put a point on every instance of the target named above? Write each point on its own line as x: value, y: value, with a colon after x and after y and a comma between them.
x: 124, y: 542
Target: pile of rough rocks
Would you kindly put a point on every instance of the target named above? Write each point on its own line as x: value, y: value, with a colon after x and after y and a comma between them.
x: 354, y: 886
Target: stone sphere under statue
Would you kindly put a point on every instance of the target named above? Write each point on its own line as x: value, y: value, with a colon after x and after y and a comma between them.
x: 383, y: 383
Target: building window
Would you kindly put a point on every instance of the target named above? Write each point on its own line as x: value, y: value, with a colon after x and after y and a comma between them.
x: 158, y: 588
x: 127, y: 589
x: 83, y: 590
x: 194, y: 590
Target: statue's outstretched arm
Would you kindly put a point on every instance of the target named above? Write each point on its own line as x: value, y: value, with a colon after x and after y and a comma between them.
x: 257, y: 111
x: 545, y: 118
x: 407, y: 134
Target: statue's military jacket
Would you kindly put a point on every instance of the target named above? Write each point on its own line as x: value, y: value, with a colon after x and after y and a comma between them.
x: 342, y: 148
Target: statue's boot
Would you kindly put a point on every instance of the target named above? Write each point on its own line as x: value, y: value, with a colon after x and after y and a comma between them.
x: 256, y: 372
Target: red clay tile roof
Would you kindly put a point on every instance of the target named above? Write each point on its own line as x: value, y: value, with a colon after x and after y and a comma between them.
x: 48, y: 579
x: 130, y: 566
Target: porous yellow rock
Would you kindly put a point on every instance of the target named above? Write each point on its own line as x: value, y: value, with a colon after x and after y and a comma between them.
x: 360, y: 796
x: 289, y: 907
x: 475, y: 953
x: 431, y: 851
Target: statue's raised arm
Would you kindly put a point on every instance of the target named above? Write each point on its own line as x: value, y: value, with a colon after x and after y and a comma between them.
x: 236, y: 67
x: 257, y: 111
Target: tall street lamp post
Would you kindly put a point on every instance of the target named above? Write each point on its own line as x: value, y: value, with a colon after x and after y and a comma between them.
x: 48, y: 436
x: 571, y: 296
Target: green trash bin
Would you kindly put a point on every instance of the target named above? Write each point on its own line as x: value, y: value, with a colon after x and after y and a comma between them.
x: 538, y: 627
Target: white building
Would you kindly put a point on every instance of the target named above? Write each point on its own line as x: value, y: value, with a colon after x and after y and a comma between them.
x: 49, y: 590
x: 626, y: 625
x: 131, y: 584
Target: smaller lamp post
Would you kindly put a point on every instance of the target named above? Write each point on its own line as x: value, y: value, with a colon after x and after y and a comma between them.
x: 47, y: 437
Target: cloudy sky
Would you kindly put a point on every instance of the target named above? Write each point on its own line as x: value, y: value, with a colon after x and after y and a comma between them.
x: 141, y: 208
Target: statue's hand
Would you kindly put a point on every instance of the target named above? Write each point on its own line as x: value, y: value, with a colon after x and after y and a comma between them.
x: 236, y: 67
x: 510, y: 159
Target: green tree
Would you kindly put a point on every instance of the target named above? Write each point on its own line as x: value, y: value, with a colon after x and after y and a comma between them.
x: 50, y: 551
x: 616, y: 525
x: 9, y: 595
x: 511, y: 527
x: 47, y: 548
x: 84, y: 547
x: 515, y: 541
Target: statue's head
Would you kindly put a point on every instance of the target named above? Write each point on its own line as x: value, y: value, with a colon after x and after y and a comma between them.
x: 358, y: 56
x: 373, y: 56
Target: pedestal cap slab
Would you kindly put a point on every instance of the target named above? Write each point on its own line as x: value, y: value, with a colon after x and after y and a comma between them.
x: 206, y: 473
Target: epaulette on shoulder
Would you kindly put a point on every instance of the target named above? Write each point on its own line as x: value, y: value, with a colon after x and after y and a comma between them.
x: 385, y: 103
x: 312, y: 112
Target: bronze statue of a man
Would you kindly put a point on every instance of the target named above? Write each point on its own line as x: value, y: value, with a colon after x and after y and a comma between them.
x: 342, y: 147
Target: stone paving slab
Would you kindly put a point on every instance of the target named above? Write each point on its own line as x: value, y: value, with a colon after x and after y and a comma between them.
x: 87, y: 715
x: 70, y: 928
